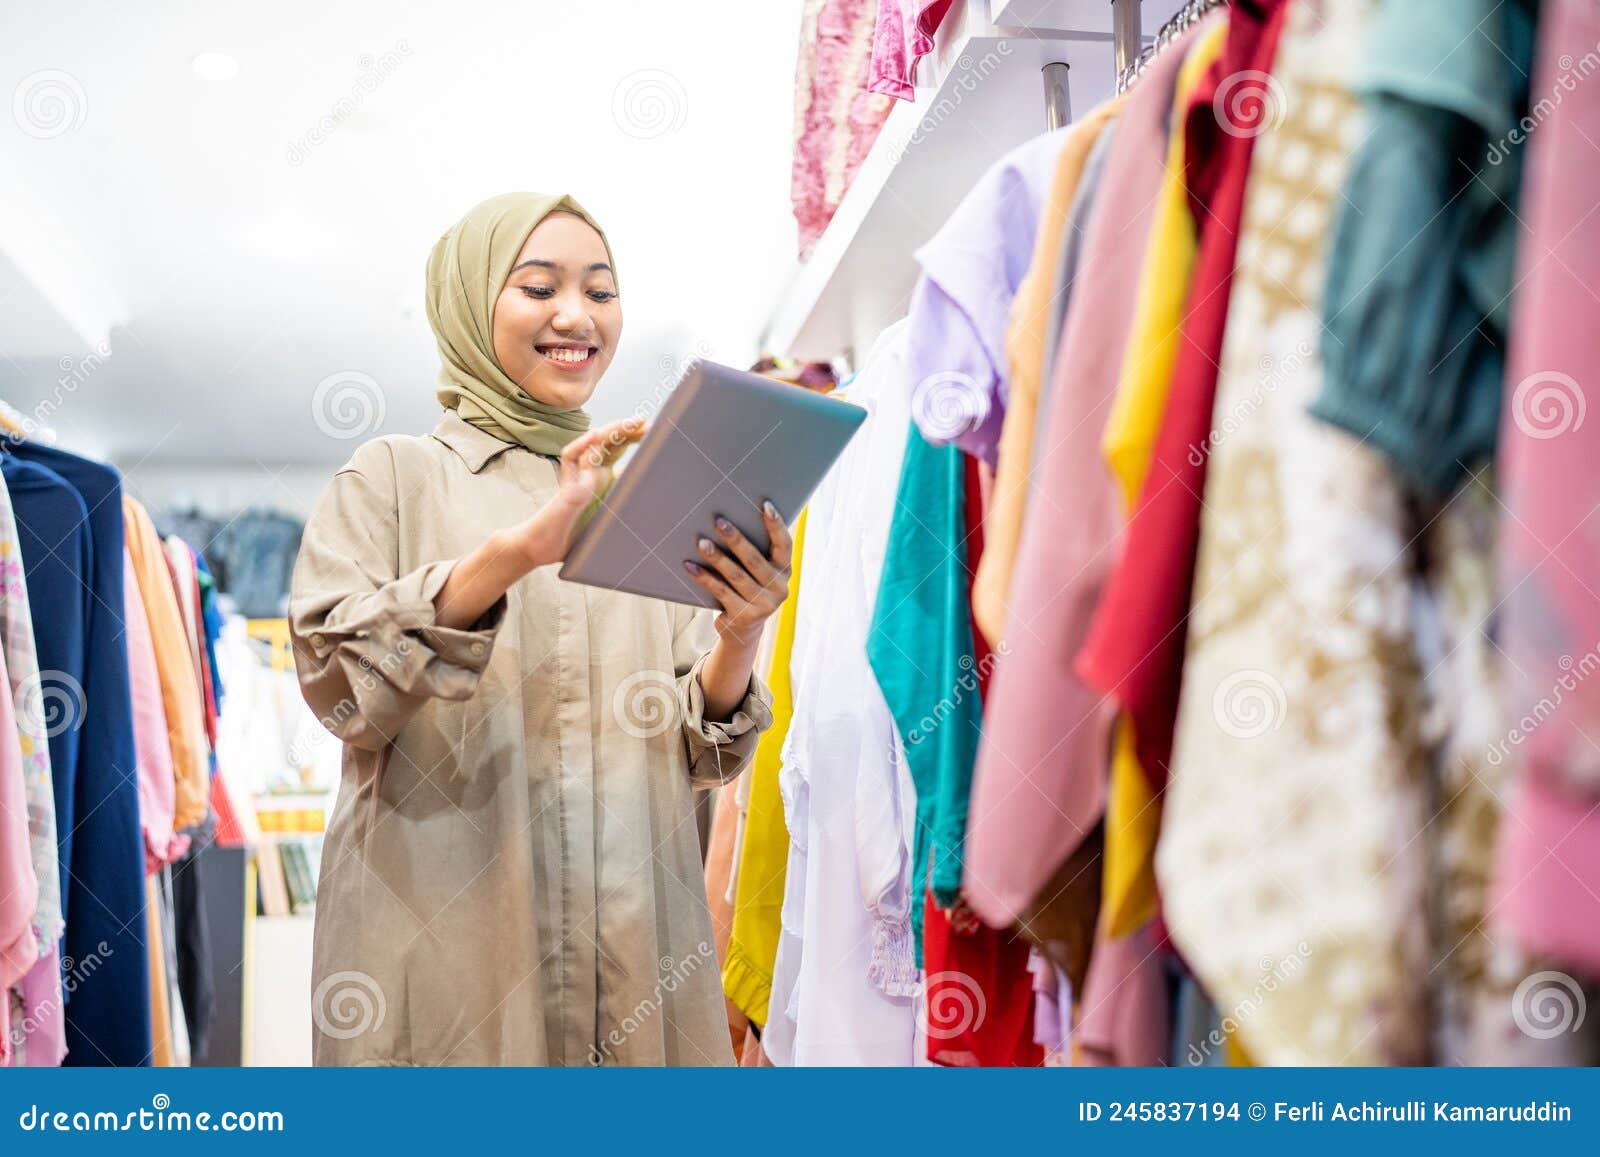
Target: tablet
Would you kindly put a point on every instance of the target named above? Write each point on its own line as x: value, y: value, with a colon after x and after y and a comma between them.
x: 724, y: 441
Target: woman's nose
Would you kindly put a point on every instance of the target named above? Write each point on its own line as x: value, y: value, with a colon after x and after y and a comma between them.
x: 571, y: 314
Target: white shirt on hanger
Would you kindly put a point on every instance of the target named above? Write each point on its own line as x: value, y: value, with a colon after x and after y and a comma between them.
x: 845, y: 980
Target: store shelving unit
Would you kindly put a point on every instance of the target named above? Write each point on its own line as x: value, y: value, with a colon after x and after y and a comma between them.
x: 981, y: 92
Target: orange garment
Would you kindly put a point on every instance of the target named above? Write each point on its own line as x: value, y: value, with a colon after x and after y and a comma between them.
x: 1025, y: 350
x: 186, y: 729
x: 162, y: 1055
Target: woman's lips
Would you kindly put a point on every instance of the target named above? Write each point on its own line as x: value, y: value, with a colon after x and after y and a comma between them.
x: 567, y: 357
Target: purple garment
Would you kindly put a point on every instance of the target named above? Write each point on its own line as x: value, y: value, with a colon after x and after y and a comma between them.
x: 44, y: 1013
x: 971, y: 268
x: 1052, y: 1009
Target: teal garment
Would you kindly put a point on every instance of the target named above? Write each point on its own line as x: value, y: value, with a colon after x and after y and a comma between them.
x: 921, y: 650
x: 1420, y: 268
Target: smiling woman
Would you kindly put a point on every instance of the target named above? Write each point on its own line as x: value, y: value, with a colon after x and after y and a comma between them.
x: 502, y: 875
x: 558, y: 319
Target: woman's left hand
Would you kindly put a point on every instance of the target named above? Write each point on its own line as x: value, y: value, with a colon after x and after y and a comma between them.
x: 749, y: 586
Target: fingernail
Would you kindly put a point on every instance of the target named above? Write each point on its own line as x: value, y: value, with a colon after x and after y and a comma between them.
x: 724, y: 525
x: 707, y: 547
x: 772, y: 511
x: 692, y: 567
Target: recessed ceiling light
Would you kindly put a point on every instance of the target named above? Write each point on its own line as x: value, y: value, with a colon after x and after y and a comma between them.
x: 215, y: 66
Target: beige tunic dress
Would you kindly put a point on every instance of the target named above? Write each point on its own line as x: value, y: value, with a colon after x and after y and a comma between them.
x: 512, y: 872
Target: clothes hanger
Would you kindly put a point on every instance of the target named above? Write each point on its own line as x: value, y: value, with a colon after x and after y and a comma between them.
x: 1182, y: 20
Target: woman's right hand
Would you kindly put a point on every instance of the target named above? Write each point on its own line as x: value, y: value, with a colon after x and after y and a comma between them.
x: 586, y: 473
x: 479, y: 579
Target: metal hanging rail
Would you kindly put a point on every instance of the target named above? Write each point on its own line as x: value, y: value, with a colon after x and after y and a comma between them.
x: 1184, y: 19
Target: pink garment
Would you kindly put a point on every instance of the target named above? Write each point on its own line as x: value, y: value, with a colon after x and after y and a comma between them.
x: 1040, y: 784
x: 1123, y: 1018
x: 836, y: 119
x: 19, y: 886
x: 903, y: 36
x: 1549, y: 873
x: 158, y: 790
x: 44, y: 1019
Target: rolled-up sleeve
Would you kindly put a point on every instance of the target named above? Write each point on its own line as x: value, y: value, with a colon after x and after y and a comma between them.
x: 717, y: 752
x: 368, y: 648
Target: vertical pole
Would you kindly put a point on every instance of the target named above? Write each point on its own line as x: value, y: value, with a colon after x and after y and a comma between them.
x: 1057, y: 97
x: 1125, y: 33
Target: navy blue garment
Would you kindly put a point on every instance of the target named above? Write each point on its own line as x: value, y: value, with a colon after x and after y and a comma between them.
x: 53, y: 532
x: 108, y: 1017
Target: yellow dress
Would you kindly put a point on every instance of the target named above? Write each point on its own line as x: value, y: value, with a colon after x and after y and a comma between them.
x: 1133, y: 812
x: 764, y: 855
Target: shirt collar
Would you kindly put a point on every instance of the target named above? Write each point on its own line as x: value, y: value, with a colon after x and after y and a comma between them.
x: 475, y: 446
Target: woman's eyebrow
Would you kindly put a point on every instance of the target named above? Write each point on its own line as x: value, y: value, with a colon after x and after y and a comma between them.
x: 542, y: 263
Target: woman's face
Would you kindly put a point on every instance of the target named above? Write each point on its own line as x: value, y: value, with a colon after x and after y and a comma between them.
x: 557, y: 320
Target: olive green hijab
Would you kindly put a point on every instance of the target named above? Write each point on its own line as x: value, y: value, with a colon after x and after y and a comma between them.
x: 466, y: 272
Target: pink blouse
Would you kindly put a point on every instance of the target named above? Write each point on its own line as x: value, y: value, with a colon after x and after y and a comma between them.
x: 158, y: 792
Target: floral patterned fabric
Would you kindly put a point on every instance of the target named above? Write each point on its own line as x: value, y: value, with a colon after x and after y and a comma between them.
x: 41, y: 701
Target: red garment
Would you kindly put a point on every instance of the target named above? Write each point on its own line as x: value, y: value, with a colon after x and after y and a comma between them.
x: 979, y: 989
x: 230, y: 831
x: 980, y: 992
x: 203, y: 659
x: 1134, y: 653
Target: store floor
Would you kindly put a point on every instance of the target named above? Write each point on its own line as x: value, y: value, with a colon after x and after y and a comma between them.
x: 280, y: 1022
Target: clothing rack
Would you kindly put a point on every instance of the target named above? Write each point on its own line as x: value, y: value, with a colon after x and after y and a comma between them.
x: 1130, y: 55
x: 1128, y: 69
x: 1125, y: 42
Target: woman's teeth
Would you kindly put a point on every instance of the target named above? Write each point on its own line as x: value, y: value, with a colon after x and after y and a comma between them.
x: 571, y: 356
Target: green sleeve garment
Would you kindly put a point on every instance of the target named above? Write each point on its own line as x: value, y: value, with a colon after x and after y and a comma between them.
x: 1420, y: 269
x: 921, y: 651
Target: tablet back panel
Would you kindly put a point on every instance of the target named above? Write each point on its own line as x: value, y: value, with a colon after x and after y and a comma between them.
x: 724, y: 441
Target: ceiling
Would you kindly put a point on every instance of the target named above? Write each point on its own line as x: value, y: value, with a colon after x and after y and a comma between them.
x: 198, y: 271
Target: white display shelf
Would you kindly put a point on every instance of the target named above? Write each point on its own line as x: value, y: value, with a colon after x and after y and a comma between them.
x: 981, y: 94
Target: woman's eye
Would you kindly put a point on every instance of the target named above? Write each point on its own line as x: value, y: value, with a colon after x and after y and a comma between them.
x: 602, y: 295
x: 538, y: 291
